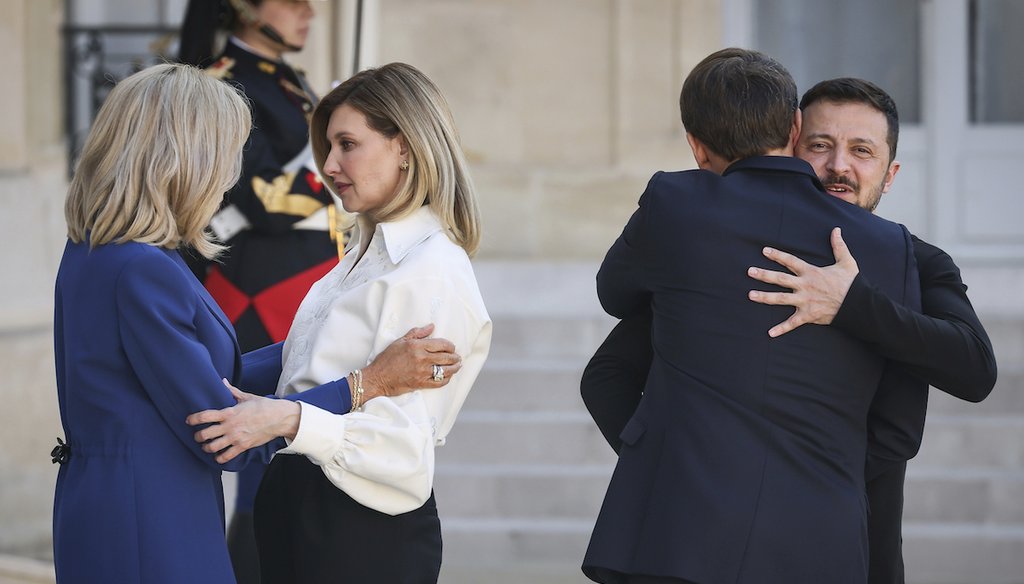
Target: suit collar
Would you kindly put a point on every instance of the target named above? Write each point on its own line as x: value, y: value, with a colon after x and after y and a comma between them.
x: 775, y: 164
x: 246, y: 58
x: 211, y: 304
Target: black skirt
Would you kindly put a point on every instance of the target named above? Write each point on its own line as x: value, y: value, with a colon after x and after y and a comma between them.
x: 310, y: 532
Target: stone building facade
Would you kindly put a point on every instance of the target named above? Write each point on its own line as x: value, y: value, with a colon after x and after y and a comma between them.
x: 566, y: 108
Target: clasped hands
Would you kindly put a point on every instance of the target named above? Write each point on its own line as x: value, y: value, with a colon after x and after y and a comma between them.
x: 404, y: 365
x: 815, y: 292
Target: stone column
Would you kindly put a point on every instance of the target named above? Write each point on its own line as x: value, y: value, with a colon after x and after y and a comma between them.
x: 32, y: 189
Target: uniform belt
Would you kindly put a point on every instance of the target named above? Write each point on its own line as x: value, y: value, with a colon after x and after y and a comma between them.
x: 229, y: 222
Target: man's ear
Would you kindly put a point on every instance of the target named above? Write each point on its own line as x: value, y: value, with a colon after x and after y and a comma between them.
x: 794, y: 131
x: 701, y: 154
x: 890, y: 175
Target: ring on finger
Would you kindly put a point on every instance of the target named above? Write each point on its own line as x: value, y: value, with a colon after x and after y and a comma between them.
x: 438, y: 373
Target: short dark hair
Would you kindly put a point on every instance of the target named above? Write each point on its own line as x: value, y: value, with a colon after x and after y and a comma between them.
x: 739, y: 103
x: 203, y: 19
x: 853, y: 90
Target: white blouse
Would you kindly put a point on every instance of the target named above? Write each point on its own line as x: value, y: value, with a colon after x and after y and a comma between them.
x: 411, y: 274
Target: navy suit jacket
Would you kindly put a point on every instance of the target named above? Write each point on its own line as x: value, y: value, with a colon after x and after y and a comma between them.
x: 140, y: 345
x: 744, y: 461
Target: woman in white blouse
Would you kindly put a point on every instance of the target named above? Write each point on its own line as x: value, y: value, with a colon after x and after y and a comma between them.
x: 386, y: 144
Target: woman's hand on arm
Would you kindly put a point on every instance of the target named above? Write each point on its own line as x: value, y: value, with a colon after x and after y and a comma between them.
x: 254, y: 421
x: 407, y: 365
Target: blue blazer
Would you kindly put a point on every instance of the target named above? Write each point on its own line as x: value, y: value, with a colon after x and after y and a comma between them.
x: 140, y: 345
x: 744, y: 461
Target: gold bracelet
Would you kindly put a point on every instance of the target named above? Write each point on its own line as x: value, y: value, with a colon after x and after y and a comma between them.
x: 357, y: 393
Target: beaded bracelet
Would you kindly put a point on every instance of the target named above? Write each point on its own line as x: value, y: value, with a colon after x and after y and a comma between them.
x: 357, y: 393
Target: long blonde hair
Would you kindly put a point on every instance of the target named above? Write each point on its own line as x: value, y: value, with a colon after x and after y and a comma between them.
x: 165, y: 147
x: 399, y: 99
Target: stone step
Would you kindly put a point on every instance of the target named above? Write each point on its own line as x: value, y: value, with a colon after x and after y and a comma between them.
x: 553, y: 544
x: 25, y: 570
x: 1007, y: 336
x: 956, y: 553
x: 535, y: 573
x: 974, y: 442
x: 532, y: 383
x: 1007, y: 398
x: 543, y: 437
x: 576, y: 492
x: 550, y: 551
x: 980, y: 497
x: 512, y: 491
x: 500, y: 437
x: 567, y: 336
x: 527, y: 385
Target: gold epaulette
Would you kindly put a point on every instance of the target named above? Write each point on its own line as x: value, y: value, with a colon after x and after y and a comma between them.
x: 221, y: 69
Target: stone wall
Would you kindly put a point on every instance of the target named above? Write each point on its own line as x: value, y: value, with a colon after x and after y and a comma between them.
x: 566, y: 107
x: 32, y: 186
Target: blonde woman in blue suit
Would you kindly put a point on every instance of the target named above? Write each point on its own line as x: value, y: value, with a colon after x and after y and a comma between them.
x: 140, y: 344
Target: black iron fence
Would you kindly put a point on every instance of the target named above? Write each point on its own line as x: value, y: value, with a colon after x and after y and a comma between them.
x: 95, y: 58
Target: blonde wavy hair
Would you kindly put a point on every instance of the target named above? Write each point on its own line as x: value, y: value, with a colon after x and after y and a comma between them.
x: 165, y: 147
x: 399, y: 99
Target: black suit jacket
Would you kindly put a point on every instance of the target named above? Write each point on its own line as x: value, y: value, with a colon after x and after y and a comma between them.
x: 946, y: 347
x: 745, y: 456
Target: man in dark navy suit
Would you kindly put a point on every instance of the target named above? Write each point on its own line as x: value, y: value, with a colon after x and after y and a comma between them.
x: 849, y: 135
x: 744, y: 460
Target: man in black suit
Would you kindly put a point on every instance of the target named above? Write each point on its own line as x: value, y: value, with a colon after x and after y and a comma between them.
x: 744, y: 459
x: 849, y: 135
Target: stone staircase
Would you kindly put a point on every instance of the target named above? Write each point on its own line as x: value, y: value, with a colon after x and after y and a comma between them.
x: 523, y: 475
x: 964, y: 509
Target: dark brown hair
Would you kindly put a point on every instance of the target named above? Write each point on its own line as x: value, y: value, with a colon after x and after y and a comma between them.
x: 739, y: 103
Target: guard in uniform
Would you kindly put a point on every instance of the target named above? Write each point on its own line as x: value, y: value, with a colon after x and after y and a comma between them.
x: 280, y: 222
x: 279, y: 219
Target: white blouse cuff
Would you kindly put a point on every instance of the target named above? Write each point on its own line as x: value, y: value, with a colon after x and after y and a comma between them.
x: 320, y: 434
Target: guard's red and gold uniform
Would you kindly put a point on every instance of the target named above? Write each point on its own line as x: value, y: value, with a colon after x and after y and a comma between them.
x: 279, y: 220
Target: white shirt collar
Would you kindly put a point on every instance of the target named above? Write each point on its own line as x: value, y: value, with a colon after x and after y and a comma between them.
x: 403, y: 235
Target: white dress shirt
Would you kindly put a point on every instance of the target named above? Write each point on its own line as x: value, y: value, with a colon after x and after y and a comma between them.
x: 411, y: 274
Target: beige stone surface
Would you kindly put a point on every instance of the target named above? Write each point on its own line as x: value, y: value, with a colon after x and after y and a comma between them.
x: 529, y: 81
x: 32, y: 187
x: 32, y: 237
x: 20, y: 570
x: 585, y: 213
x: 649, y: 134
x: 43, y: 83
x: 30, y: 424
x: 14, y: 128
x: 547, y: 215
x: 509, y: 200
x: 566, y: 107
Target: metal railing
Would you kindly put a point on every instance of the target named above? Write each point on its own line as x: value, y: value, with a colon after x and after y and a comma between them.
x: 97, y: 57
